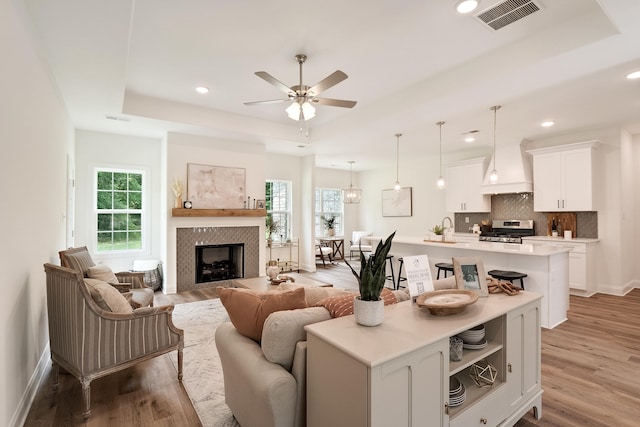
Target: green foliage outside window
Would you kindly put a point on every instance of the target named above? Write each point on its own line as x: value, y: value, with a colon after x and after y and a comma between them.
x: 119, y: 205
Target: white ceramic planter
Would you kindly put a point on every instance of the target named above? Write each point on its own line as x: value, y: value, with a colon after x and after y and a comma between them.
x: 368, y: 313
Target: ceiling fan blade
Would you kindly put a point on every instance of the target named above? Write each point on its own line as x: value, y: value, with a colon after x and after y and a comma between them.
x: 334, y: 102
x: 277, y: 83
x: 327, y: 82
x: 270, y: 101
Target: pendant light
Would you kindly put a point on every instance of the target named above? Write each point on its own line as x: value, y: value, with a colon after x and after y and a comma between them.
x: 352, y: 194
x: 493, y: 178
x: 397, y: 186
x: 441, y: 183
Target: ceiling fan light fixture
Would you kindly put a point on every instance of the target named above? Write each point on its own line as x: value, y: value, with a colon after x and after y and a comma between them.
x: 466, y: 6
x: 308, y: 110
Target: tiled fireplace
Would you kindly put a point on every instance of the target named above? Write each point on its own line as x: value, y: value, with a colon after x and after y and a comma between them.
x: 189, y: 238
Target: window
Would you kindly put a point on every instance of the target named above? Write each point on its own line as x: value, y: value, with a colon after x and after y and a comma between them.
x: 278, y: 204
x: 328, y: 202
x: 119, y: 218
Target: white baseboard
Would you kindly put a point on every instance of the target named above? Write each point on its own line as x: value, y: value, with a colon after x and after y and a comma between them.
x: 21, y: 412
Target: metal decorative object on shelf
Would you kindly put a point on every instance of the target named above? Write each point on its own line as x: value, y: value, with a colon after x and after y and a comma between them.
x: 483, y: 373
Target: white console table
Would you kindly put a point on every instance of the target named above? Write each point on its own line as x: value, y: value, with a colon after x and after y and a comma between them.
x: 397, y: 374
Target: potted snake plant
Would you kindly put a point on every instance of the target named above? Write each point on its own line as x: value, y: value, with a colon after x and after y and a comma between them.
x: 368, y: 307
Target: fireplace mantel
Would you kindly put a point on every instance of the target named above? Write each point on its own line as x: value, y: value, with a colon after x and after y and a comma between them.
x: 217, y: 212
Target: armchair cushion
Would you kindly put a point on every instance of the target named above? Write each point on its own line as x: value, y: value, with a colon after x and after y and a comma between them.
x: 79, y: 260
x: 107, y: 297
x: 249, y: 309
x: 102, y: 272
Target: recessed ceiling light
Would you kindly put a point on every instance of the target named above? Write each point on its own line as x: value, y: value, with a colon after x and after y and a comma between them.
x: 469, y: 139
x: 547, y: 124
x: 202, y: 89
x: 634, y: 75
x: 466, y: 6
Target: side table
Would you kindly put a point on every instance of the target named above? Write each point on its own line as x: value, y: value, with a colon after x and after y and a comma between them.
x: 336, y: 244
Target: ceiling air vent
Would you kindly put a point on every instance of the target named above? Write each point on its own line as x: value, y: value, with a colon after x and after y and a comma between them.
x: 507, y: 12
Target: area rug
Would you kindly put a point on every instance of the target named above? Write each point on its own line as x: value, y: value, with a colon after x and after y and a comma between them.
x: 202, y: 372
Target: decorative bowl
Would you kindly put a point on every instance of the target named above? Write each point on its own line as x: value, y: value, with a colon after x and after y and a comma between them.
x: 446, y: 301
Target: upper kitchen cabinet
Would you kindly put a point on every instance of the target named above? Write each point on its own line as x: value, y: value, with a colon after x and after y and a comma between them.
x: 562, y: 177
x: 464, y: 181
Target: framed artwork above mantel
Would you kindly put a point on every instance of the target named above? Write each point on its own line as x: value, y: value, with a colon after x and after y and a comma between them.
x: 216, y: 187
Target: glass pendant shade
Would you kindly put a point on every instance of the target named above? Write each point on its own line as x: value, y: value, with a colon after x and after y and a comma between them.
x: 397, y: 185
x: 351, y: 195
x: 493, y: 178
x: 440, y: 183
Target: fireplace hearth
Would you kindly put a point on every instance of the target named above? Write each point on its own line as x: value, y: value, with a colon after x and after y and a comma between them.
x: 190, y: 238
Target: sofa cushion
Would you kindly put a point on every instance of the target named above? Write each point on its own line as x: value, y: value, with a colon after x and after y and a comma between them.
x: 102, y: 272
x: 343, y: 305
x: 107, y: 297
x: 283, y: 329
x: 248, y: 309
x: 313, y: 294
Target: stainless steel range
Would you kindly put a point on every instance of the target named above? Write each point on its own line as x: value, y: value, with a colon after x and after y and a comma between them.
x: 508, y: 231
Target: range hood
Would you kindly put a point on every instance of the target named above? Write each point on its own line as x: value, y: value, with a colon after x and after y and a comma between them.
x: 514, y: 171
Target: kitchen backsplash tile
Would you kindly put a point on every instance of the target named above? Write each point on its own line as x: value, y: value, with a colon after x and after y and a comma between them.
x: 520, y: 206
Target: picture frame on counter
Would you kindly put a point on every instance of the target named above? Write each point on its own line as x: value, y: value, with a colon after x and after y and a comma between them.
x: 470, y: 275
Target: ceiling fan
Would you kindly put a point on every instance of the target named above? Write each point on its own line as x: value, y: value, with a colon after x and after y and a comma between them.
x: 302, y: 96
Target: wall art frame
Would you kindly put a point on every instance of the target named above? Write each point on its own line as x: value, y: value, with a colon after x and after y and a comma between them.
x: 397, y: 202
x: 470, y: 275
x: 216, y: 187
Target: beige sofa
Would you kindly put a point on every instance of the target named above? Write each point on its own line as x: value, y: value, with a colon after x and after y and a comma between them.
x: 265, y: 383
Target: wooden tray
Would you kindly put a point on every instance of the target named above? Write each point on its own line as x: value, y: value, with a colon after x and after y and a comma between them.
x: 446, y: 301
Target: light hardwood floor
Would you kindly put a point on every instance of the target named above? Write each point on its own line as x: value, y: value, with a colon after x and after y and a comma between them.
x: 590, y: 373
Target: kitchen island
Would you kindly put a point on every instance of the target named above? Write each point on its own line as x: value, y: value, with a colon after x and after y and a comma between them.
x: 547, y: 267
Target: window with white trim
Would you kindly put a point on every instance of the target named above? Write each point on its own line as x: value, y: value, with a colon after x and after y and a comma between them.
x: 278, y: 204
x: 119, y: 217
x: 329, y: 203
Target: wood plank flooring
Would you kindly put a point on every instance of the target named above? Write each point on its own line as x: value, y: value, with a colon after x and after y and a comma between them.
x: 590, y: 373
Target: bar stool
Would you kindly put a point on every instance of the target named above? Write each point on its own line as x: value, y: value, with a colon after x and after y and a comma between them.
x: 445, y: 266
x: 508, y: 276
x: 392, y: 275
x: 400, y: 276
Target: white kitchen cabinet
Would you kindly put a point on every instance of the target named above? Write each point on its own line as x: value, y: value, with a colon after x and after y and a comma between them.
x: 464, y: 181
x: 398, y: 373
x: 582, y: 274
x: 562, y: 178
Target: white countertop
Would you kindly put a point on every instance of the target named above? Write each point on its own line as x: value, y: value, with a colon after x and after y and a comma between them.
x: 561, y: 239
x: 510, y: 248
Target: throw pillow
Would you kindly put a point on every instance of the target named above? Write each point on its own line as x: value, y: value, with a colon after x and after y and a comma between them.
x: 313, y: 294
x: 102, y: 272
x: 107, y: 297
x: 248, y: 309
x: 80, y: 261
x: 343, y: 306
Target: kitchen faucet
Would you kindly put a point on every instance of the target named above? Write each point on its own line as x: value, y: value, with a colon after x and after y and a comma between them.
x: 443, y: 229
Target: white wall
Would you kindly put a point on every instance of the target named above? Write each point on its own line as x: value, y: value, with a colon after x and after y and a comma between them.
x: 36, y: 138
x: 97, y: 149
x: 182, y: 149
x: 428, y: 202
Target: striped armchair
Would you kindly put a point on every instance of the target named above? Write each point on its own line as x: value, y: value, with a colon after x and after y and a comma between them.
x: 80, y: 260
x: 90, y: 342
